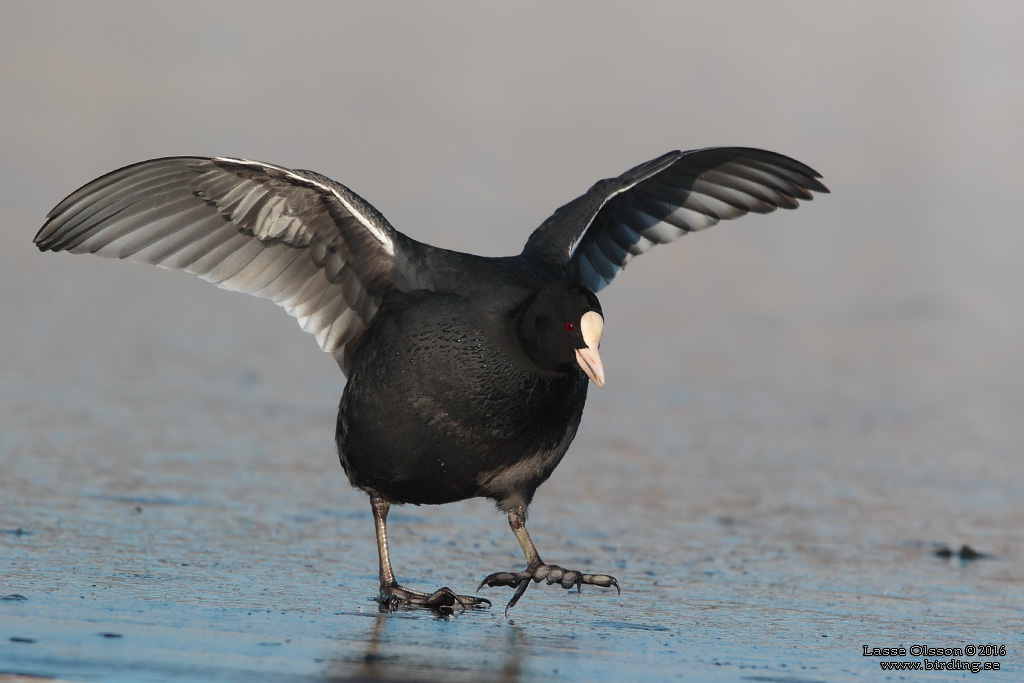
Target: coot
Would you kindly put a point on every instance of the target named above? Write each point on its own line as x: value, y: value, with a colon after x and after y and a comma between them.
x: 467, y: 375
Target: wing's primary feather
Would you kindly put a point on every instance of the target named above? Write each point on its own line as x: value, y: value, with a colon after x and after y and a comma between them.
x: 593, y: 237
x: 298, y: 238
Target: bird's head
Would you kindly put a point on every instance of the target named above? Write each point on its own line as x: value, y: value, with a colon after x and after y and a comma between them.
x: 560, y: 329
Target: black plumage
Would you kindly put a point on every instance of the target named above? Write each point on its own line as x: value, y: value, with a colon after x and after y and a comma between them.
x: 467, y: 375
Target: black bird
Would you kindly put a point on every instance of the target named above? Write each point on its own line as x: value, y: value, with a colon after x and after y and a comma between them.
x: 466, y: 375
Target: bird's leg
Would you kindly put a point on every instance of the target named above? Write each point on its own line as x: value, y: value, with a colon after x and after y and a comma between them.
x: 536, y: 570
x: 393, y: 595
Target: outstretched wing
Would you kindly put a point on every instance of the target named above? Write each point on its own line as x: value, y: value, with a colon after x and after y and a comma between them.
x: 308, y: 243
x: 593, y: 237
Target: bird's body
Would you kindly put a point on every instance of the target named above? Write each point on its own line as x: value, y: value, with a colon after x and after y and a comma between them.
x: 467, y: 375
x: 441, y: 407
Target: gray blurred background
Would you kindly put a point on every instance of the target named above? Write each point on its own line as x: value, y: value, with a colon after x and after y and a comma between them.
x: 801, y: 408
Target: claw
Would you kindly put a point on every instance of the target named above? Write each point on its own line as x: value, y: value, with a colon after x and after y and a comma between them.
x: 602, y: 580
x: 499, y: 579
x: 523, y: 585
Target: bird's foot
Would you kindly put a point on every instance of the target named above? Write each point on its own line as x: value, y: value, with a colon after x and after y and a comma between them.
x: 443, y: 600
x: 553, y: 574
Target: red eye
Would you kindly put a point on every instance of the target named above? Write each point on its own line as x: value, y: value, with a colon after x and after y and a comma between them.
x: 570, y: 327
